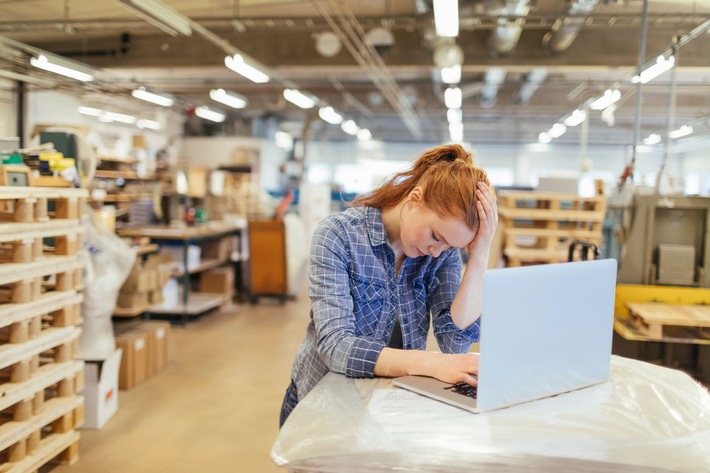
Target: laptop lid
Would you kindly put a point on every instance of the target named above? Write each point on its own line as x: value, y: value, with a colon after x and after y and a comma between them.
x: 545, y: 330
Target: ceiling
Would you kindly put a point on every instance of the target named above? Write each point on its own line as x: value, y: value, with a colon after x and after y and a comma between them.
x: 401, y: 97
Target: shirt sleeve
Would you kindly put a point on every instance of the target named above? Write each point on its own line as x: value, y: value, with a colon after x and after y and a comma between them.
x: 332, y: 306
x: 451, y: 339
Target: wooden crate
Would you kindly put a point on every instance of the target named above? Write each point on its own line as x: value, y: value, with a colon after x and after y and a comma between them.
x: 31, y: 204
x: 653, y: 319
x: 539, y: 227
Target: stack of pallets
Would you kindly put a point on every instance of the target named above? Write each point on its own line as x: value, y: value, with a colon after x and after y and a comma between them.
x: 539, y: 227
x: 40, y: 298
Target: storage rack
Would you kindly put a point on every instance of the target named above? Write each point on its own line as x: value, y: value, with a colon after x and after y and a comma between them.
x: 40, y: 298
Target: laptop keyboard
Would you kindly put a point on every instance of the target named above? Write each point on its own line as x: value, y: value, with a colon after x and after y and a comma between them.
x: 463, y: 389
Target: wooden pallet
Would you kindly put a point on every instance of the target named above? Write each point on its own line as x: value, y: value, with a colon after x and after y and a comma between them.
x: 25, y: 282
x: 25, y: 242
x: 31, y: 204
x: 539, y: 227
x: 651, y: 318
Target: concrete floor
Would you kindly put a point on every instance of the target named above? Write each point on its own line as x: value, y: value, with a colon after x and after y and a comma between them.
x: 216, y: 407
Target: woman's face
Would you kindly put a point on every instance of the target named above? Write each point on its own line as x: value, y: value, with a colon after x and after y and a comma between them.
x: 423, y: 232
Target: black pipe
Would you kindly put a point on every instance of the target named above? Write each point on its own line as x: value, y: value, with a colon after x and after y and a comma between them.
x: 116, y: 52
x: 21, y: 112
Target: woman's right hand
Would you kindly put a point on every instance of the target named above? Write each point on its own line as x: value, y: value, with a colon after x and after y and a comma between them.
x: 454, y: 368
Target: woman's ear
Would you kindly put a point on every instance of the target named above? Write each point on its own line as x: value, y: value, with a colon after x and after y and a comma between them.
x: 415, y: 195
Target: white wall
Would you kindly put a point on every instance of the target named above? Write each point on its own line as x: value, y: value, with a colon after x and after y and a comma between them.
x: 8, y: 108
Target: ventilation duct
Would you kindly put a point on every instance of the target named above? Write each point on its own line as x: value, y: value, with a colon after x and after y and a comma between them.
x: 565, y: 31
x: 504, y: 38
x: 494, y: 79
x: 532, y: 82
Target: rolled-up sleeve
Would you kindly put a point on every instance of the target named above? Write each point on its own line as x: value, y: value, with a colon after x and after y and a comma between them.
x: 332, y: 306
x: 451, y: 338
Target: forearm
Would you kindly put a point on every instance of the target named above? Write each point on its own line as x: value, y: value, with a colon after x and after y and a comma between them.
x: 393, y: 362
x: 468, y: 303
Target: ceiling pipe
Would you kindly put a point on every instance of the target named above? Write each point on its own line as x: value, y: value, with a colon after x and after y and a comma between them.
x: 532, y: 82
x: 494, y: 79
x: 503, y: 40
x: 566, y: 30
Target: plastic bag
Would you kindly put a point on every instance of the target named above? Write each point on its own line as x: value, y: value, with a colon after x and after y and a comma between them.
x: 108, y: 262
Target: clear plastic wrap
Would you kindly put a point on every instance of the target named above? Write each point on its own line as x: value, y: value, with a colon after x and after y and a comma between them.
x: 646, y: 418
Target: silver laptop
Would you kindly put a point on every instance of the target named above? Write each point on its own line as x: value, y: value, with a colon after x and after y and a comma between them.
x: 545, y: 330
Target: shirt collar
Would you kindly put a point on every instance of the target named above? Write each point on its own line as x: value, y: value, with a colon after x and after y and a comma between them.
x: 375, y: 227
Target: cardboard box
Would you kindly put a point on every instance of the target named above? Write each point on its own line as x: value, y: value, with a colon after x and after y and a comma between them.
x: 101, y: 390
x: 218, y: 281
x: 132, y: 299
x: 141, y: 280
x: 135, y: 363
x: 159, y: 340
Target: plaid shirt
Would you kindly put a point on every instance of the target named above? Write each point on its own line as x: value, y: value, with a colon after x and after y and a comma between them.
x: 355, y: 293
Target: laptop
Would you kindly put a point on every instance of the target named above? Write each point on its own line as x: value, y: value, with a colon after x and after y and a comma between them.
x: 545, y: 330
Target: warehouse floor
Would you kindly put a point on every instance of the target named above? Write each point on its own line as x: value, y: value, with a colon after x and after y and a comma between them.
x: 216, y: 407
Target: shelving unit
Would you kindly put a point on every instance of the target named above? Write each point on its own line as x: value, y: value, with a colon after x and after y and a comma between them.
x: 40, y: 298
x: 193, y: 303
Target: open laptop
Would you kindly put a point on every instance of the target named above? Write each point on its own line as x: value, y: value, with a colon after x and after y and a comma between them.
x: 545, y: 330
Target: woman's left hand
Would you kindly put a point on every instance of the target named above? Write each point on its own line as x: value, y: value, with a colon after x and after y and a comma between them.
x: 488, y: 221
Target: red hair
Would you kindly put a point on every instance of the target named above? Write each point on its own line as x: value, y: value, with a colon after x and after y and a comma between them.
x: 448, y: 179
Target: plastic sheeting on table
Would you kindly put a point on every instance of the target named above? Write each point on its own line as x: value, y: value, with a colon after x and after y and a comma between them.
x: 645, y: 419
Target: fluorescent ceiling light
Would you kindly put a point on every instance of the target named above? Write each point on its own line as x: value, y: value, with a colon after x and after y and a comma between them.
x: 92, y: 112
x: 237, y: 64
x: 453, y: 97
x: 659, y: 67
x: 454, y: 115
x: 652, y: 139
x: 42, y: 62
x: 685, y: 130
x: 158, y: 99
x: 456, y: 132
x: 118, y: 117
x: 609, y: 97
x: 160, y: 15
x: 446, y: 18
x: 283, y: 140
x: 228, y: 98
x: 297, y: 97
x: 210, y: 114
x: 451, y: 75
x: 577, y: 117
x: 364, y: 134
x: 329, y: 115
x: 544, y: 137
x: 349, y: 127
x: 557, y: 130
x: 149, y: 124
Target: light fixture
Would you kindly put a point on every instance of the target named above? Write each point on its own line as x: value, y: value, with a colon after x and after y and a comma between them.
x: 228, y: 98
x: 90, y: 111
x: 659, y: 67
x: 159, y: 15
x: 577, y: 117
x: 158, y: 99
x: 118, y: 117
x: 544, y: 137
x: 609, y: 97
x: 237, y: 64
x: 283, y: 140
x: 210, y: 114
x: 329, y: 115
x: 652, y: 139
x: 363, y: 134
x: 298, y: 98
x: 685, y: 130
x: 456, y: 132
x: 43, y: 62
x: 454, y: 115
x: 453, y: 97
x: 557, y: 130
x: 451, y: 75
x: 446, y: 18
x: 349, y: 127
x: 149, y: 124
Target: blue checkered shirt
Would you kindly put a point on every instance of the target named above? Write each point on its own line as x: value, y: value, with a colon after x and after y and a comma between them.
x: 355, y: 293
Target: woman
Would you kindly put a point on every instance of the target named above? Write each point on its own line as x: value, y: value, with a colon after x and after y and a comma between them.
x: 382, y: 271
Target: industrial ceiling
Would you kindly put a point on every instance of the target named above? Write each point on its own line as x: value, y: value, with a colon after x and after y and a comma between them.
x: 526, y: 64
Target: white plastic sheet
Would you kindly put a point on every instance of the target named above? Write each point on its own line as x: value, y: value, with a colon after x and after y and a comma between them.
x: 646, y: 418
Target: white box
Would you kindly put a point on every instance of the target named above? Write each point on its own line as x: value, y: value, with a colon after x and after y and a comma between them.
x: 101, y: 390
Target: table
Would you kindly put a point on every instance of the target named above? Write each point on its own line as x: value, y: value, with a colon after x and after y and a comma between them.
x: 645, y: 419
x: 197, y: 303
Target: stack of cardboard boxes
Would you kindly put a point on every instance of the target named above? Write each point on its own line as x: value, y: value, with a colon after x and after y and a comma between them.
x: 145, y: 350
x: 144, y: 285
